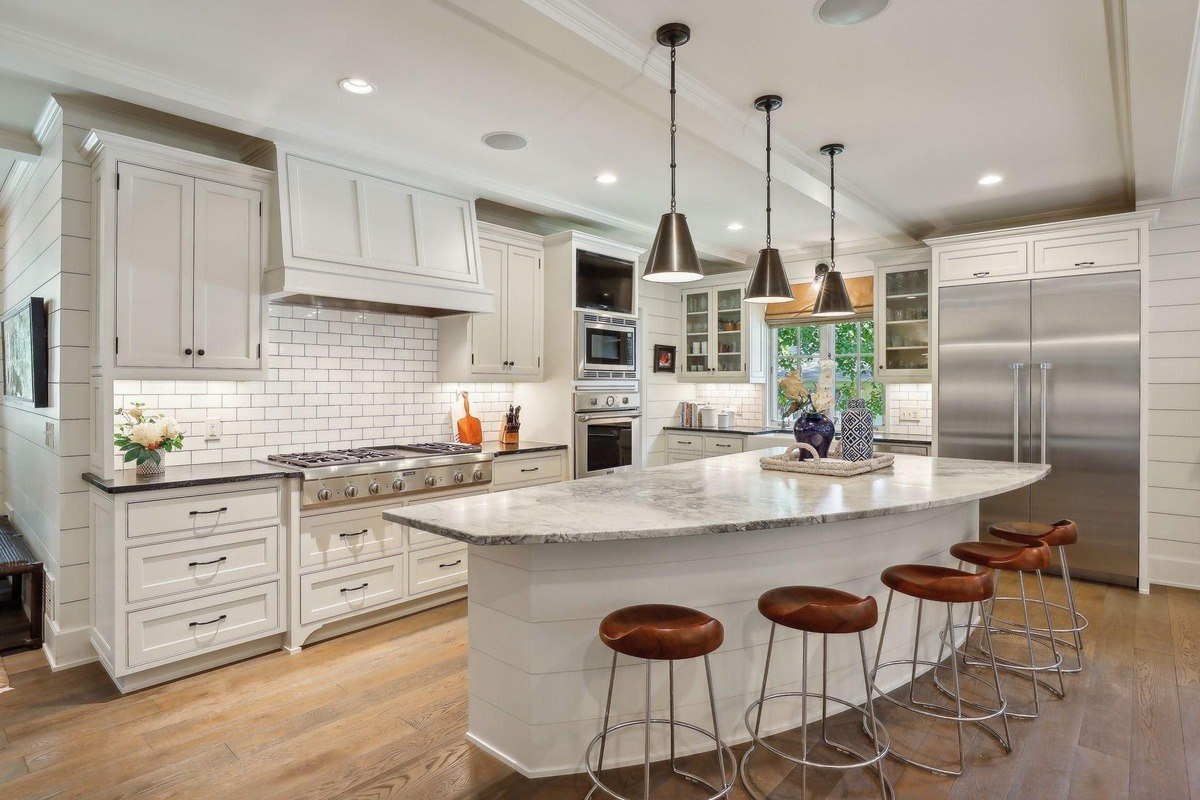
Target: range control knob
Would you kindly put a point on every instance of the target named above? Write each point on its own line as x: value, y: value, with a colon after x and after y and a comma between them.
x: 477, y: 475
x: 458, y: 477
x: 595, y: 401
x: 398, y: 485
x: 324, y: 495
x: 610, y: 401
x: 624, y: 401
x: 374, y: 488
x: 431, y: 481
x: 351, y: 491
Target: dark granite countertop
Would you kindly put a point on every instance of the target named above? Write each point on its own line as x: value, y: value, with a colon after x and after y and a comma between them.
x: 498, y: 450
x: 184, y: 475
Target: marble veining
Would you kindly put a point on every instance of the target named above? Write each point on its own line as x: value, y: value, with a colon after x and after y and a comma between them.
x: 726, y: 494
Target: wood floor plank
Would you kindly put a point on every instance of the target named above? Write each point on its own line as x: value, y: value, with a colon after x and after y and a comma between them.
x: 1108, y: 719
x: 1157, y: 766
x: 1095, y: 774
x: 1154, y: 622
x: 1185, y: 628
x: 1189, y: 706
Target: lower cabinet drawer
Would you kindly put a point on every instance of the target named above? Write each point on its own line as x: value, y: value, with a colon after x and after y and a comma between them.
x: 723, y: 445
x: 159, y: 570
x: 685, y: 443
x: 204, y: 514
x: 348, y: 536
x: 192, y: 627
x: 440, y: 568
x: 508, y: 470
x: 333, y: 592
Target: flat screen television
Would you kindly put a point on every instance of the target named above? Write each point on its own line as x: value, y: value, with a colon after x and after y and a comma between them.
x: 603, y: 283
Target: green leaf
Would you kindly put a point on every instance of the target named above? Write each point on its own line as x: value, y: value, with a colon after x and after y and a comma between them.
x: 130, y: 456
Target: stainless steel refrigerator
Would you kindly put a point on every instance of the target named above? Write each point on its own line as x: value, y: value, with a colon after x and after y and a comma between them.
x: 1049, y: 371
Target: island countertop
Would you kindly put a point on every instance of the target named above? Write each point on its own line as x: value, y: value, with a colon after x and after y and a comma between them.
x: 715, y: 495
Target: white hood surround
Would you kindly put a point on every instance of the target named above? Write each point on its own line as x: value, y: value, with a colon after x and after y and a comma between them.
x: 349, y: 238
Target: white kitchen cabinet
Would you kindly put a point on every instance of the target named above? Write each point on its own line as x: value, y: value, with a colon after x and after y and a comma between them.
x: 693, y: 446
x: 520, y: 470
x: 902, y: 323
x: 718, y: 344
x: 505, y: 345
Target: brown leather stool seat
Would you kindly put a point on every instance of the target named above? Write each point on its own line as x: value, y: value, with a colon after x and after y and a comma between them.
x: 941, y: 584
x: 661, y: 632
x: 818, y: 609
x: 1003, y: 556
x: 1053, y: 534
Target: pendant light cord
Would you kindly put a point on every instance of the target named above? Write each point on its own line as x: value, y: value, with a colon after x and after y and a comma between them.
x: 768, y: 178
x: 832, y: 212
x: 672, y: 129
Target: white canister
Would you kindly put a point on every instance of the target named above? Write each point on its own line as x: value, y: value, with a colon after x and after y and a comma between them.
x: 725, y: 419
x: 708, y: 416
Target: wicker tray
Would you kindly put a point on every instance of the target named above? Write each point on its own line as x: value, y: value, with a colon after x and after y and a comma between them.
x: 815, y: 465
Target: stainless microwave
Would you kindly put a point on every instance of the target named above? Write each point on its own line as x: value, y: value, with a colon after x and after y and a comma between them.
x: 605, y: 347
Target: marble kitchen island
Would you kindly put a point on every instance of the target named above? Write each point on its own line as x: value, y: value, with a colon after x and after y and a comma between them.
x: 547, y: 563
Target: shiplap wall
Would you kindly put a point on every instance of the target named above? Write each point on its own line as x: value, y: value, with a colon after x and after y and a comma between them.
x: 1174, y: 349
x: 46, y: 253
x: 661, y: 391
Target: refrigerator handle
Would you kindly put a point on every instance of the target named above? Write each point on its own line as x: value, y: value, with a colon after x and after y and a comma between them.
x: 1016, y: 371
x: 1045, y: 368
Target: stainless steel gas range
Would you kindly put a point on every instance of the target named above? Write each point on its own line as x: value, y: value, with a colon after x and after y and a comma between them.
x: 341, y: 477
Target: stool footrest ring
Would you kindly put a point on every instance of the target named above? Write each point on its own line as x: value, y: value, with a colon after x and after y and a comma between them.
x: 725, y: 749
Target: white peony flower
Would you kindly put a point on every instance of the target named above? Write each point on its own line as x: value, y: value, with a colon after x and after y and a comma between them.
x: 147, y: 434
x: 169, y: 427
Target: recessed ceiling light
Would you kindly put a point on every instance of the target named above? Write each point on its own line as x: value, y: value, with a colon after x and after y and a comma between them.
x: 504, y: 140
x: 606, y: 177
x: 990, y: 180
x: 847, y: 12
x: 734, y: 226
x: 357, y: 86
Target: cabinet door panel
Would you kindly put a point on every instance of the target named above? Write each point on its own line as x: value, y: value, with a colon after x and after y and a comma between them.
x: 325, y: 214
x: 487, y: 345
x: 522, y: 304
x: 228, y: 276
x: 388, y: 212
x: 444, y: 238
x: 154, y: 267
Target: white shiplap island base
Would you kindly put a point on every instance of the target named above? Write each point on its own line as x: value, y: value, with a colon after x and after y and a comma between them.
x: 548, y: 563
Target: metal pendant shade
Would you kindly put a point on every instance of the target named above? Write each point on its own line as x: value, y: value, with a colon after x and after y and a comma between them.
x: 673, y: 257
x: 833, y: 300
x: 768, y: 282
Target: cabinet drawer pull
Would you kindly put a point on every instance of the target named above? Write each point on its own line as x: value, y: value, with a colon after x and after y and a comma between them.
x: 531, y: 469
x: 718, y: 444
x: 681, y: 441
x: 220, y: 560
x: 451, y: 564
x: 982, y: 274
x: 220, y: 510
x: 1085, y: 263
x: 209, y: 622
x: 363, y: 532
x: 355, y: 588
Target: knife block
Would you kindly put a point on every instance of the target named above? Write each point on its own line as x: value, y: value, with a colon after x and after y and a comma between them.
x: 510, y: 434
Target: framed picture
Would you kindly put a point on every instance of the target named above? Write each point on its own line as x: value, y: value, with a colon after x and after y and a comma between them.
x: 664, y: 358
x: 26, y: 354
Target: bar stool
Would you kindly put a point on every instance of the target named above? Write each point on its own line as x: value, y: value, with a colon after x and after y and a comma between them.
x: 661, y: 633
x: 1056, y: 535
x: 952, y: 587
x: 816, y: 609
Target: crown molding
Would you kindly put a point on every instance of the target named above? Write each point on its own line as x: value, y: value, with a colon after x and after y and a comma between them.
x: 12, y: 185
x: 807, y: 174
x: 22, y: 148
x: 48, y: 121
x: 1027, y: 220
x: 1058, y: 225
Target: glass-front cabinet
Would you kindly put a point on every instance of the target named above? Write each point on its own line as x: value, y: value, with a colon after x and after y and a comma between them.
x: 902, y: 323
x: 721, y: 337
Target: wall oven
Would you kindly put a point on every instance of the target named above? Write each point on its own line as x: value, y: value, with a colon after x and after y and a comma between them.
x: 608, y: 432
x: 605, y: 347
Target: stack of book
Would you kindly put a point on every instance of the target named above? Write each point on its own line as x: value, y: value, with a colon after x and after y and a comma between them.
x: 689, y: 414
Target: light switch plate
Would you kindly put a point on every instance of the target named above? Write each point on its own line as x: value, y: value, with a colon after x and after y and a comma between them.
x: 910, y: 415
x: 212, y: 429
x: 49, y: 434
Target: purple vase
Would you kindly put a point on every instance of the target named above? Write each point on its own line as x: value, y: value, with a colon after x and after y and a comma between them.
x: 815, y: 430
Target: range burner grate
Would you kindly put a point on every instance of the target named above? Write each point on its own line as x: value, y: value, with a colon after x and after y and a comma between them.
x: 440, y: 448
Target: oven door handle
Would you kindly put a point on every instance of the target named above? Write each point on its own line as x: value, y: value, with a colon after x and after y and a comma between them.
x: 609, y: 420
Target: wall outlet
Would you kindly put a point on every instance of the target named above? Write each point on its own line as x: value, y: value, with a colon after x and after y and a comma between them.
x: 49, y: 435
x: 910, y: 415
x: 212, y: 429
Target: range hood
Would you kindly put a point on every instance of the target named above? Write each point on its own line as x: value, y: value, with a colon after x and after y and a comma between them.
x: 346, y: 238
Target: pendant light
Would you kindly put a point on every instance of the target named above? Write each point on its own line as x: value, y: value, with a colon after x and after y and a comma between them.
x: 672, y: 257
x: 768, y: 281
x: 832, y: 298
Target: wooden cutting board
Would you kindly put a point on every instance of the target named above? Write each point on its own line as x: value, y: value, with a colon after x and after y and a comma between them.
x: 469, y: 429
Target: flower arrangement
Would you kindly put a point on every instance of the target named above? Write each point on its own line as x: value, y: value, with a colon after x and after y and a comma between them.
x: 144, y: 436
x: 819, y: 401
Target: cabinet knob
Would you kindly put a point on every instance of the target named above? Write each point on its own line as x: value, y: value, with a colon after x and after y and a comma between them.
x: 200, y: 352
x: 187, y: 352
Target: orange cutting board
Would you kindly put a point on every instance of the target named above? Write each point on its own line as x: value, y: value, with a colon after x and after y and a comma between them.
x: 470, y: 431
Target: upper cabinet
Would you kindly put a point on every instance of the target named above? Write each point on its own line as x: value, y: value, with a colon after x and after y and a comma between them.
x: 505, y: 345
x: 902, y: 323
x: 180, y: 244
x: 345, y: 233
x: 723, y: 336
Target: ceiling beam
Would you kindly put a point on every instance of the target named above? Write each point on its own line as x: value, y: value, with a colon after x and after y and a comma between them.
x: 19, y: 146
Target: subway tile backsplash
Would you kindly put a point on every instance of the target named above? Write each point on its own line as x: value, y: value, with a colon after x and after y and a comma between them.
x: 335, y: 379
x: 745, y: 398
x: 910, y: 396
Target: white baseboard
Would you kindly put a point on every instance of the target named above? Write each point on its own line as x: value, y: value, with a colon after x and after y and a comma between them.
x: 65, y: 649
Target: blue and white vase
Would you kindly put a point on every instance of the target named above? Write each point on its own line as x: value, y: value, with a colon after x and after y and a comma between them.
x: 858, y: 432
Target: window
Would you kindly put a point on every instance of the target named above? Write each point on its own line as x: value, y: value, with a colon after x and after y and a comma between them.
x: 852, y: 346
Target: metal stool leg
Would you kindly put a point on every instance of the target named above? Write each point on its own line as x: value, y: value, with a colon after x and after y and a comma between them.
x: 1076, y: 629
x: 647, y: 778
x: 862, y: 651
x: 712, y: 704
x: 612, y: 678
x: 1062, y: 686
x: 804, y: 712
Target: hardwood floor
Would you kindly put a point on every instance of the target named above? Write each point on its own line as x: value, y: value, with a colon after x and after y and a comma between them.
x: 382, y: 713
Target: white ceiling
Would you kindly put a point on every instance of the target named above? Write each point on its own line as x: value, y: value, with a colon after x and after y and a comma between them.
x: 927, y: 97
